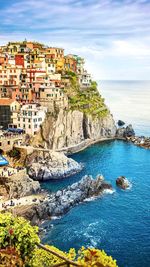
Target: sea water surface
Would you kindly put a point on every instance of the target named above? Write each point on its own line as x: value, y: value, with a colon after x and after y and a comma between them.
x: 119, y: 223
x: 129, y: 101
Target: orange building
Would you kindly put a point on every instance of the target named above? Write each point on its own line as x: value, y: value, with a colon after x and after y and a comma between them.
x: 3, y: 59
x: 70, y: 63
x: 16, y: 94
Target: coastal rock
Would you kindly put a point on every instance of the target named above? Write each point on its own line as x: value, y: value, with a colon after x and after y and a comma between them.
x: 44, y: 166
x: 18, y: 185
x: 71, y: 128
x: 120, y: 123
x: 141, y: 141
x: 129, y: 131
x: 125, y: 132
x: 122, y: 182
x: 57, y: 204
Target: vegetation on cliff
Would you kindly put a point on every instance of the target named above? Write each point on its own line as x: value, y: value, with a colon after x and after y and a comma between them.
x: 87, y: 100
x: 19, y: 247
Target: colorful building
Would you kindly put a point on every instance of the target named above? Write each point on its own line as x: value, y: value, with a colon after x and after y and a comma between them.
x: 8, y: 109
x: 70, y: 63
x: 30, y: 118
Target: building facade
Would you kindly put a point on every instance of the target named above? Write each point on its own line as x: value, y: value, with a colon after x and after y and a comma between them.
x: 8, y: 110
x: 30, y: 118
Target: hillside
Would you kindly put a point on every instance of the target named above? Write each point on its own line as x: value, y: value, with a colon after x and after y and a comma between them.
x: 86, y: 118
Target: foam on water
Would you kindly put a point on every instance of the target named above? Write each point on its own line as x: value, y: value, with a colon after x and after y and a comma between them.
x: 109, y: 191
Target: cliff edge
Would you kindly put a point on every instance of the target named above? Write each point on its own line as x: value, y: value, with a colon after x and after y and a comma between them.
x: 86, y: 118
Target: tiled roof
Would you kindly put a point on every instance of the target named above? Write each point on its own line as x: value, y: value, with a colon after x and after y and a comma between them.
x: 6, y: 101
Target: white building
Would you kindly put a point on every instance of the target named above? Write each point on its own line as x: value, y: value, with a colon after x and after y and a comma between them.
x: 55, y: 76
x: 31, y: 117
x: 85, y: 79
x: 50, y: 68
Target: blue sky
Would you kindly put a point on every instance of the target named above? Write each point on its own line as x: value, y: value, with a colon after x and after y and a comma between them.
x: 113, y: 35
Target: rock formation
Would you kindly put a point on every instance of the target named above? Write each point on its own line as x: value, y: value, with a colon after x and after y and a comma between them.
x: 43, y: 165
x: 122, y: 182
x: 120, y: 123
x: 18, y: 185
x: 70, y: 128
x: 125, y: 132
x: 62, y: 201
x: 141, y: 141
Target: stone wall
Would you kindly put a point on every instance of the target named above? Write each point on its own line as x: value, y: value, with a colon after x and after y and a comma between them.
x: 7, y: 143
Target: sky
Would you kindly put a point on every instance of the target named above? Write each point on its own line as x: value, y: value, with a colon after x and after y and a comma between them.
x: 112, y: 35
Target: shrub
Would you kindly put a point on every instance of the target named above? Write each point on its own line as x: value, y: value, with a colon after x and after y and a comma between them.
x: 95, y: 257
x: 14, y: 153
x: 18, y: 248
x: 17, y: 233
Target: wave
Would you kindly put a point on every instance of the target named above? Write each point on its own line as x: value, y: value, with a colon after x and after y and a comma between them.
x: 129, y: 185
x: 109, y: 191
x: 89, y: 199
x: 56, y: 217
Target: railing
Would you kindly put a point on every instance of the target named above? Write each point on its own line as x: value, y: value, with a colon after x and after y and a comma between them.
x: 66, y: 262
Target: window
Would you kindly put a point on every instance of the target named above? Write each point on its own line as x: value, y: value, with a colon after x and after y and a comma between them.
x: 29, y: 126
x: 24, y: 126
x: 8, y: 142
x: 19, y: 124
x: 29, y: 120
x: 23, y: 119
x: 0, y: 143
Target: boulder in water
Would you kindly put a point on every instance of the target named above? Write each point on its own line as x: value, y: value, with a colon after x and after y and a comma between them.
x: 129, y: 131
x: 120, y: 123
x: 125, y: 132
x: 122, y: 182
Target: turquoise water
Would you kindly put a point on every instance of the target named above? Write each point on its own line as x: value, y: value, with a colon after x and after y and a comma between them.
x: 119, y: 223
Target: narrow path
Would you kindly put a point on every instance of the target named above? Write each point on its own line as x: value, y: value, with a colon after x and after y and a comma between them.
x: 23, y: 201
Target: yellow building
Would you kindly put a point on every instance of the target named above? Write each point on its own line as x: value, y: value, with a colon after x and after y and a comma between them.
x: 60, y: 64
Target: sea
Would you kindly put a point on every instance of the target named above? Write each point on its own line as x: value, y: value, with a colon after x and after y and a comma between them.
x: 118, y: 221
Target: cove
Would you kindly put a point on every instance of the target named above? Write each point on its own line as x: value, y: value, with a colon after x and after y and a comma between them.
x: 119, y: 223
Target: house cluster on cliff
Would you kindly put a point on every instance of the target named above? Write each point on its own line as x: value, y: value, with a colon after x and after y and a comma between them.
x: 32, y: 81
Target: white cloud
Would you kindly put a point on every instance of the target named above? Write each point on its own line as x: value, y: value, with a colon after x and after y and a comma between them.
x: 108, y: 33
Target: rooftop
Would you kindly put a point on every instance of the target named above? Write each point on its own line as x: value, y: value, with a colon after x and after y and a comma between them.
x: 6, y: 101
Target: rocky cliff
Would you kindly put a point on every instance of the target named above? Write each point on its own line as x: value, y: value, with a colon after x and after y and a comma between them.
x: 52, y: 165
x: 85, y: 118
x: 18, y: 185
x: 72, y: 127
